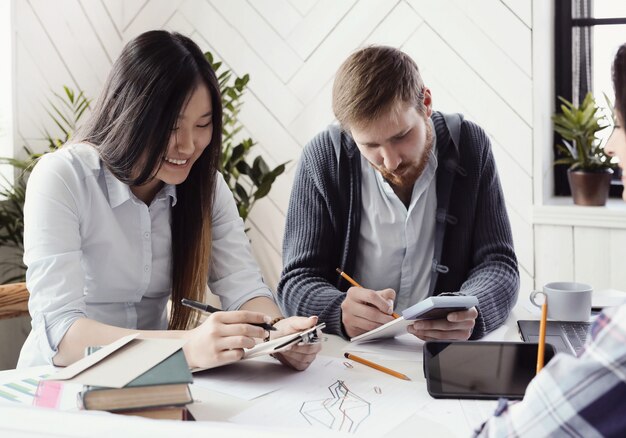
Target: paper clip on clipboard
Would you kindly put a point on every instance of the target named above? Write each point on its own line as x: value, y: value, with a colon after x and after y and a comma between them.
x: 308, y: 337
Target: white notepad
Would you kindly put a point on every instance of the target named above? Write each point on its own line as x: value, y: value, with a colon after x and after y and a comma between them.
x: 430, y: 308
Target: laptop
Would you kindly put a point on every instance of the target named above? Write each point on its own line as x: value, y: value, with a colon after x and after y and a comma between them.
x: 566, y: 336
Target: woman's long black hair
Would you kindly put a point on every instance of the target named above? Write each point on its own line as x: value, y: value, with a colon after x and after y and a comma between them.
x: 131, y: 125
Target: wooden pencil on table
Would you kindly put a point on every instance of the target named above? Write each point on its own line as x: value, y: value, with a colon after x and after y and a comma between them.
x: 355, y: 284
x: 376, y: 366
x: 542, y: 334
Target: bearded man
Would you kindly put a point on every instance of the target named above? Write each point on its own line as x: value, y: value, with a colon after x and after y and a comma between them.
x: 404, y: 199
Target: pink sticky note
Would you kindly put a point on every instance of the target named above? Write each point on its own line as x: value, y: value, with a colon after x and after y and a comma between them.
x: 48, y: 394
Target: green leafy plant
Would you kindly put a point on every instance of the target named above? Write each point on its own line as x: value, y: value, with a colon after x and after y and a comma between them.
x: 578, y: 126
x: 65, y: 111
x: 248, y: 182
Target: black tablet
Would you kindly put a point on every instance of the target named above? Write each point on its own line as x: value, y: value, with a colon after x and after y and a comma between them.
x: 480, y: 370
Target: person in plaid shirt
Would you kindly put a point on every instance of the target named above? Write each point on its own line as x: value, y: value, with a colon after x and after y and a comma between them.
x: 579, y: 396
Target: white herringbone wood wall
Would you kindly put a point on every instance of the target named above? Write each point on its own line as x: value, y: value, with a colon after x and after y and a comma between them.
x: 475, y: 56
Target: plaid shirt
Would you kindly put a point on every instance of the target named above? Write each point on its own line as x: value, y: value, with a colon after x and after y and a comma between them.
x: 578, y: 397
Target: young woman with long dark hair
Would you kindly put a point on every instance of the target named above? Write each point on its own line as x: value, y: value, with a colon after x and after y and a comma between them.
x: 133, y: 212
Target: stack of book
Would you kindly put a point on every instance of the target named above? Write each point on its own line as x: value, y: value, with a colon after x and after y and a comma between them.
x: 161, y: 392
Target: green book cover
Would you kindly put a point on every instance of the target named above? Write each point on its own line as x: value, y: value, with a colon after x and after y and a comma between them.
x: 173, y: 369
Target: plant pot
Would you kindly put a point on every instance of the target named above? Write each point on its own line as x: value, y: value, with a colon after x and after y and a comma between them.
x: 590, y: 188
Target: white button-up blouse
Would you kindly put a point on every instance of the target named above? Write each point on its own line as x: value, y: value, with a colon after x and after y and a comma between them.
x: 94, y: 250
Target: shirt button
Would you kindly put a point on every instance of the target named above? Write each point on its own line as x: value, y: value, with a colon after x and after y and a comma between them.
x: 146, y: 235
x: 146, y: 268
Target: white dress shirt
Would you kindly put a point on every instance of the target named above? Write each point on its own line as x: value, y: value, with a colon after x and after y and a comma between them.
x: 94, y: 250
x: 396, y: 245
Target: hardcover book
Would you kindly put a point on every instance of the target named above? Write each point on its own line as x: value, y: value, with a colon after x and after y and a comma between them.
x: 165, y: 384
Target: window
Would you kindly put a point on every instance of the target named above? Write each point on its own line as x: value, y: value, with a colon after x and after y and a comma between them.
x: 587, y: 35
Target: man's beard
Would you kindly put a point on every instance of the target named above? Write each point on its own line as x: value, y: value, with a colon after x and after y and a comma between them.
x: 405, y: 175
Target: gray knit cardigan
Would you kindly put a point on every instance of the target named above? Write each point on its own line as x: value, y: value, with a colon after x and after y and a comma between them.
x: 473, y: 245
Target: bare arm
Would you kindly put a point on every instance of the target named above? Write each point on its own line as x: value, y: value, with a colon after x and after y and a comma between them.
x: 218, y: 340
x: 263, y: 305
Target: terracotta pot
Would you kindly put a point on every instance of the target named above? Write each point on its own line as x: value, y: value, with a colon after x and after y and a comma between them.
x: 590, y: 188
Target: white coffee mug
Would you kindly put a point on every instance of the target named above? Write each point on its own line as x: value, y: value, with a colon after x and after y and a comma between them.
x: 567, y: 301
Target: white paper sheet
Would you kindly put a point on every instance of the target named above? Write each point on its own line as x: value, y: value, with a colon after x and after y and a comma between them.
x: 457, y: 417
x: 406, y: 348
x: 28, y: 422
x: 251, y: 378
x: 393, y: 328
x: 334, y: 397
x: 21, y: 386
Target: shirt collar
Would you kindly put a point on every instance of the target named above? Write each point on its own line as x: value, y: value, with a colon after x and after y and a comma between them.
x: 120, y: 192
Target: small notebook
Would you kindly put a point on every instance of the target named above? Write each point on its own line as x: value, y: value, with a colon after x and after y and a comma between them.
x: 430, y: 308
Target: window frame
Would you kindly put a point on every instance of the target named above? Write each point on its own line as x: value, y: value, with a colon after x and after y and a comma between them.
x: 564, y: 25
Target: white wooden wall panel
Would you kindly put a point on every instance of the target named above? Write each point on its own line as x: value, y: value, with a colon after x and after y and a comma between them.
x: 556, y: 246
x: 56, y: 46
x: 318, y: 20
x: 303, y: 6
x: 396, y: 28
x: 586, y: 254
x: 152, y: 14
x: 348, y: 34
x: 280, y: 14
x: 617, y: 257
x: 487, y: 107
x: 522, y: 10
x: 260, y: 36
x: 129, y: 9
x: 480, y: 54
x: 592, y: 256
x: 506, y: 30
x: 475, y: 56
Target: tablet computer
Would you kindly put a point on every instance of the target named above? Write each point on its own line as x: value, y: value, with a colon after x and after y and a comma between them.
x: 480, y: 370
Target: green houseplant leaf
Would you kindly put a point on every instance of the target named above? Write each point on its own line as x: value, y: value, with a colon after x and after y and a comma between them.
x: 248, y: 182
x: 578, y: 126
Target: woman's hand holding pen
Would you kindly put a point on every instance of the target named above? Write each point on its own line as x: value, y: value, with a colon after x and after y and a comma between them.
x: 365, y: 309
x: 299, y: 356
x: 221, y: 338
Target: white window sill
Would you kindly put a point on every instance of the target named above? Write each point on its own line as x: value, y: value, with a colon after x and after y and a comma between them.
x: 562, y: 211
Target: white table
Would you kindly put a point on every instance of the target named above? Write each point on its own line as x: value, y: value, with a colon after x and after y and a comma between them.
x: 440, y: 418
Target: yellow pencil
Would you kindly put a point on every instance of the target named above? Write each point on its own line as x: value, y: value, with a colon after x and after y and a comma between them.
x: 376, y: 366
x: 542, y: 334
x: 355, y: 284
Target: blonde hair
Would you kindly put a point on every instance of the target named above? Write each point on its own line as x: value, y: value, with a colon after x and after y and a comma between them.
x: 373, y: 81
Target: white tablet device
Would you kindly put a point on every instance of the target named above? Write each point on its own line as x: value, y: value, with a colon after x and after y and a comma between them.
x: 430, y: 308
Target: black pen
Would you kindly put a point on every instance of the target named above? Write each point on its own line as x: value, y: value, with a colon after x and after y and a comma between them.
x: 210, y: 309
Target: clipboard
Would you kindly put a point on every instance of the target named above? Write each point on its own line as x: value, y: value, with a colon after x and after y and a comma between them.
x: 307, y: 336
x: 282, y: 343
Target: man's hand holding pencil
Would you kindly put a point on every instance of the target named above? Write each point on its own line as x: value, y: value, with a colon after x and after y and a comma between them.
x: 365, y: 309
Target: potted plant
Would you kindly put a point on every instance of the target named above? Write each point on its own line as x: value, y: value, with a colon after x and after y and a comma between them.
x: 590, y: 169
